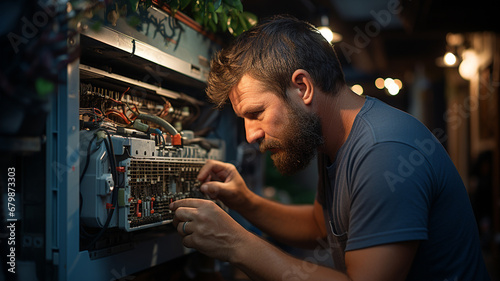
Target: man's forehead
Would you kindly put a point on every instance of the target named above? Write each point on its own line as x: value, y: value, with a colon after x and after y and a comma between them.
x: 247, y: 87
x: 249, y: 91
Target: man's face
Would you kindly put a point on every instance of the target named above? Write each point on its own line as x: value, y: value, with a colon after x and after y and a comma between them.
x: 288, y: 131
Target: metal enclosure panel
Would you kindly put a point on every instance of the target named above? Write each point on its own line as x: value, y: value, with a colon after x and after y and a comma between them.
x: 63, y: 168
x: 162, y: 40
x: 63, y: 164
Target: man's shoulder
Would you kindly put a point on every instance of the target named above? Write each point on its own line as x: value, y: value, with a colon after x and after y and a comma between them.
x: 388, y: 124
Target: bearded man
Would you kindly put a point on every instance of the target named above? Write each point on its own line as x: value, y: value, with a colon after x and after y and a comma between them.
x: 390, y: 203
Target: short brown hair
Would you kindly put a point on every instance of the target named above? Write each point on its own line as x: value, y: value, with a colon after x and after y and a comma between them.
x: 271, y: 52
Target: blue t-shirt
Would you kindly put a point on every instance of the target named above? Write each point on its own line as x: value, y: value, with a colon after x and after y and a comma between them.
x: 392, y: 181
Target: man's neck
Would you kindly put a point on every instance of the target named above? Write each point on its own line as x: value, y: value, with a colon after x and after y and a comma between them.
x: 337, y: 114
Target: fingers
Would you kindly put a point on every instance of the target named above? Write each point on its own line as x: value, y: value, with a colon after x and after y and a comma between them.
x: 189, y: 203
x: 184, y: 211
x: 188, y: 241
x: 212, y: 189
x: 184, y: 228
x: 217, y: 170
x: 184, y: 214
x: 206, y: 170
x: 188, y: 213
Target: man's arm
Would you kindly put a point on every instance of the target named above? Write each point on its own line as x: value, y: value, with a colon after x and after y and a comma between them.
x: 261, y: 261
x: 207, y: 228
x: 295, y: 225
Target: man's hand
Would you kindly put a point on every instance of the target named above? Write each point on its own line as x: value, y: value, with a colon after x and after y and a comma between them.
x: 223, y: 182
x: 207, y: 228
x: 298, y: 225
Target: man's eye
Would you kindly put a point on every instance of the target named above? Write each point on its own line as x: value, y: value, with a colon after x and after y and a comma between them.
x: 255, y: 114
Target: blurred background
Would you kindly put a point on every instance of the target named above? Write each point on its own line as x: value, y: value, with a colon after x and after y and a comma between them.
x: 437, y: 60
x: 71, y: 67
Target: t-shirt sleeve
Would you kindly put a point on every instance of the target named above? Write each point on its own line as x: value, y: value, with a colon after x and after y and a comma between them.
x: 390, y: 196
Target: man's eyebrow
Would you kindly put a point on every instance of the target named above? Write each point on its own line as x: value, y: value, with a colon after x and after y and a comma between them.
x: 236, y: 113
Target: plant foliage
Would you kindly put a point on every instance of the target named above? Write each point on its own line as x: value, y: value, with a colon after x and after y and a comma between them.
x: 214, y: 15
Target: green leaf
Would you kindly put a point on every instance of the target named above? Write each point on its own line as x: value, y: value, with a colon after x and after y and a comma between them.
x: 205, y: 20
x: 44, y: 87
x: 134, y: 4
x: 215, y: 19
x: 250, y: 18
x: 233, y: 22
x: 184, y: 4
x: 96, y: 26
x: 243, y: 22
x: 217, y: 5
x: 235, y: 25
x: 198, y: 18
x: 239, y: 6
x: 223, y: 21
x: 174, y: 6
x: 235, y: 4
x: 212, y: 26
x: 196, y: 8
x: 134, y: 21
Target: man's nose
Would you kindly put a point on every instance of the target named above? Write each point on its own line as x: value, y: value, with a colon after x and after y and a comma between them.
x: 254, y: 131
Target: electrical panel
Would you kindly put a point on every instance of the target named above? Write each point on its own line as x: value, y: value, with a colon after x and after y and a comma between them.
x: 148, y: 179
x: 123, y: 134
x: 136, y: 155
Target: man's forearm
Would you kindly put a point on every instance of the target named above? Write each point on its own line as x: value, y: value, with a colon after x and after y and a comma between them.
x: 291, y: 224
x: 262, y: 261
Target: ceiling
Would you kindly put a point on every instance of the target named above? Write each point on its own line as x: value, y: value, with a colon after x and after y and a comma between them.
x: 388, y: 38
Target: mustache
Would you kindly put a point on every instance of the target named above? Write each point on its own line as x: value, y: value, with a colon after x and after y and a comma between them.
x: 268, y: 144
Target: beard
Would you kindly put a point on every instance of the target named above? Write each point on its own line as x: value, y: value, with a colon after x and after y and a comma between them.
x: 300, y: 140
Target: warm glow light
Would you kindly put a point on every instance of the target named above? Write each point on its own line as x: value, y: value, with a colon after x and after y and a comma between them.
x: 336, y: 37
x: 379, y: 83
x: 393, y: 86
x: 388, y: 82
x: 357, y: 89
x: 399, y: 83
x: 326, y: 32
x: 450, y: 59
x: 393, y: 89
x: 454, y: 39
x: 469, y: 66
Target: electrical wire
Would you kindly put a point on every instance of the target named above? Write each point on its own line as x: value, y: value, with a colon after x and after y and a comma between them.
x: 87, y: 161
x: 121, y: 96
x: 164, y: 112
x: 159, y: 136
x: 157, y: 120
x: 114, y: 197
x: 118, y: 114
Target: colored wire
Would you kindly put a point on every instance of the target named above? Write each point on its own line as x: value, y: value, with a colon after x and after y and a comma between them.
x: 114, y: 198
x: 121, y: 96
x: 157, y: 120
x: 119, y: 114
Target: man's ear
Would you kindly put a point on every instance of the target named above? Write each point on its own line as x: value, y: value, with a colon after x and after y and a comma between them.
x: 302, y: 82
